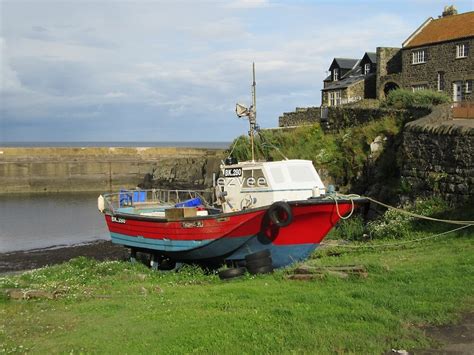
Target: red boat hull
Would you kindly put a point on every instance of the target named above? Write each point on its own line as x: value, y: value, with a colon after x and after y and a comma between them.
x: 231, y: 235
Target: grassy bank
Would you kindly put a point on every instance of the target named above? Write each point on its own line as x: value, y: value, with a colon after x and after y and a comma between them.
x: 341, y: 157
x: 127, y: 308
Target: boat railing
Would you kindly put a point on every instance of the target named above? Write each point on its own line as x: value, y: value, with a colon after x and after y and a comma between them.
x: 154, y: 198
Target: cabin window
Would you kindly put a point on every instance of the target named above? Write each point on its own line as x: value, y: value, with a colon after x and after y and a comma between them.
x: 418, y: 56
x: 301, y: 173
x: 277, y: 175
x: 462, y: 50
x: 254, y: 178
x: 335, y: 74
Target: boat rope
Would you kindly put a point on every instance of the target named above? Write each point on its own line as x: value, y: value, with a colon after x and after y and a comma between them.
x: 233, y: 147
x: 265, y: 142
x: 335, y: 198
x: 351, y: 197
x: 404, y: 242
x: 465, y: 223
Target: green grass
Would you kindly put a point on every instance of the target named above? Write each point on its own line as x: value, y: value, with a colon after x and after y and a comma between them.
x: 116, y: 307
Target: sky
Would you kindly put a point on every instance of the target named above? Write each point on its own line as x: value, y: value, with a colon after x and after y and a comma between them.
x: 173, y: 70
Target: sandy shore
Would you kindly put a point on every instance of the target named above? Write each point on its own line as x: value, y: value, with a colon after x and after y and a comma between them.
x: 32, y: 259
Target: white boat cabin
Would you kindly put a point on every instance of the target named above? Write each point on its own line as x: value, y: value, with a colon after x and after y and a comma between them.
x: 254, y: 184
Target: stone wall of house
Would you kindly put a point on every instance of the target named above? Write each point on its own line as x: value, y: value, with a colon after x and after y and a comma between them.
x: 301, y: 116
x: 389, y: 67
x: 438, y: 158
x: 355, y: 92
x: 440, y: 58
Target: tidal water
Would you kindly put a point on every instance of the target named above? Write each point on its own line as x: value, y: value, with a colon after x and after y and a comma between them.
x: 43, y: 221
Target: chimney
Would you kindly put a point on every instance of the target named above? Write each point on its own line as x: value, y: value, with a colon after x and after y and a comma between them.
x: 449, y: 11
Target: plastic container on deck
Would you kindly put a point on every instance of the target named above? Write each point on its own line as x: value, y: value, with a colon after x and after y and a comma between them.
x: 139, y: 196
x: 193, y: 202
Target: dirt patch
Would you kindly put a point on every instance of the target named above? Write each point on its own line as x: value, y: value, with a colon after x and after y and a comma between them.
x: 455, y: 339
x: 27, y: 260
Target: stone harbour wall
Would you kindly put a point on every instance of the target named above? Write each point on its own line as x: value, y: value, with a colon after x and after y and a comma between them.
x: 31, y: 170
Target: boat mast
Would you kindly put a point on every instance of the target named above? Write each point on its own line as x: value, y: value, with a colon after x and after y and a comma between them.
x: 253, y: 113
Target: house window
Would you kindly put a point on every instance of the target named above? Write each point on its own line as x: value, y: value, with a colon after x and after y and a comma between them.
x: 419, y: 87
x: 337, y: 100
x: 335, y: 74
x: 418, y: 56
x: 462, y: 50
x: 440, y: 81
x: 468, y: 86
x: 367, y: 68
x: 331, y: 98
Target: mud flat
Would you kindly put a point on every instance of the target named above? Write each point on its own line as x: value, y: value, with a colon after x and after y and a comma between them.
x: 33, y: 259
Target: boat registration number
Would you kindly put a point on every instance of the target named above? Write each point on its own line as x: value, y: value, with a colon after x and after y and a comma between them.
x: 196, y: 224
x: 233, y: 172
x: 118, y: 220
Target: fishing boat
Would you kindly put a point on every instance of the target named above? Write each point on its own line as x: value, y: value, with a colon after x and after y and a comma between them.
x: 280, y: 207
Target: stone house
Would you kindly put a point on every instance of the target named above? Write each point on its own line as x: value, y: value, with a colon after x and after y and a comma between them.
x: 350, y: 80
x: 437, y: 56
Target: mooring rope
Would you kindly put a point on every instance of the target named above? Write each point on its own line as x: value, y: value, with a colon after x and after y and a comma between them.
x: 403, y: 242
x: 412, y: 214
x: 351, y: 197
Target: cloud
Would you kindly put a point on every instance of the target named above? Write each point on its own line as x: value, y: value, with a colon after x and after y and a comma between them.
x: 247, y: 4
x: 176, y: 69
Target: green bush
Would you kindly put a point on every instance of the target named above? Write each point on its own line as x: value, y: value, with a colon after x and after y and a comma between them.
x: 403, y: 98
x: 350, y: 229
x: 342, y: 155
x: 395, y: 224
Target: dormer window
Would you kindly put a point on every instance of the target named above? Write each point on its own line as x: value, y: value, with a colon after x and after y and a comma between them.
x: 418, y: 56
x: 462, y: 50
x: 335, y: 74
x: 366, y: 68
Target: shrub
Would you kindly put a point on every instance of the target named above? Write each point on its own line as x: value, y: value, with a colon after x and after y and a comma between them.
x: 350, y: 229
x: 403, y: 98
x: 395, y: 224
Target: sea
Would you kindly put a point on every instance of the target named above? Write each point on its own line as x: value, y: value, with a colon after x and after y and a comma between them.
x: 208, y: 145
x: 37, y: 221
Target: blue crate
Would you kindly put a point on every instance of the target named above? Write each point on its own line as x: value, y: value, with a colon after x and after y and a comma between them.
x: 193, y: 202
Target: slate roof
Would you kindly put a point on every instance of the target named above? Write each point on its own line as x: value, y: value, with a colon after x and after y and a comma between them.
x: 372, y: 56
x: 345, y: 63
x: 444, y: 29
x: 351, y: 77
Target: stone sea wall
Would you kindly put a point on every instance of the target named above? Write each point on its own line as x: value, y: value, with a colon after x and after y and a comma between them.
x: 438, y: 158
x: 31, y: 170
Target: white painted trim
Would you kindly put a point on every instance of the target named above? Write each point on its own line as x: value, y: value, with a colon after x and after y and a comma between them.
x: 418, y: 30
